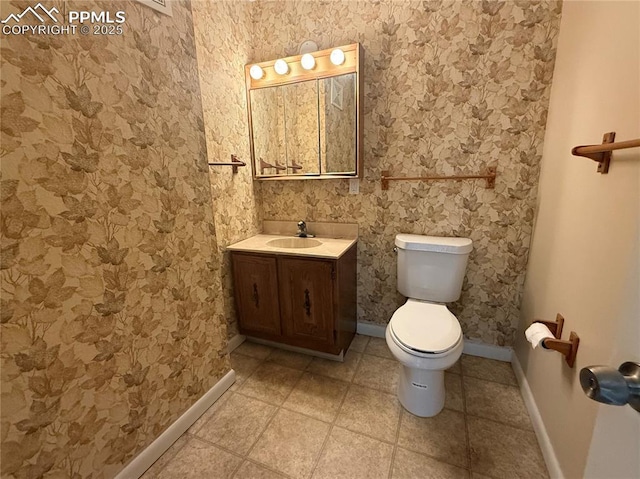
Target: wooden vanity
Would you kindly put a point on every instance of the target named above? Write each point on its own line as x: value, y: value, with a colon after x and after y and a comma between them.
x: 302, y: 297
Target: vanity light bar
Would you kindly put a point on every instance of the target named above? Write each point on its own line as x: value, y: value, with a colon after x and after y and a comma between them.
x: 332, y: 61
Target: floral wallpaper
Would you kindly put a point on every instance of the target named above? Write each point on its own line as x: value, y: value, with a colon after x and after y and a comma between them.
x: 451, y: 87
x: 112, y: 319
x: 223, y: 42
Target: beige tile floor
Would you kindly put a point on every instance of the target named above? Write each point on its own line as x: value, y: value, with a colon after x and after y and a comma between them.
x: 293, y: 416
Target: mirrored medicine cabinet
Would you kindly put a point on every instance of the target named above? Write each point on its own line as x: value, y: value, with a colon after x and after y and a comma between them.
x: 305, y: 115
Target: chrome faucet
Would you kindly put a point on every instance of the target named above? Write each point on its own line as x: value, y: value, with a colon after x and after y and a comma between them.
x: 302, y: 230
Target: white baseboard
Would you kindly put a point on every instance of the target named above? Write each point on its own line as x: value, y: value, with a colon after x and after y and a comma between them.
x: 152, y: 453
x: 548, y: 453
x: 234, y: 342
x: 489, y: 351
x: 371, y: 329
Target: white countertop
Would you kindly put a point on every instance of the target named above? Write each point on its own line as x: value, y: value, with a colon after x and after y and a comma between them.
x: 331, y: 248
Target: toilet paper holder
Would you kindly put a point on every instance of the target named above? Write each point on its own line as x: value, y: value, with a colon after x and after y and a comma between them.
x: 569, y: 349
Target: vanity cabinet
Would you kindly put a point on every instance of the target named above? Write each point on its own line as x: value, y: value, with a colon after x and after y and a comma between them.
x: 305, y: 302
x: 256, y: 290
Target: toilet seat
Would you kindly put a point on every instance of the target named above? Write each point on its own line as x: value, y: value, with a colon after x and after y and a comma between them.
x: 425, y: 329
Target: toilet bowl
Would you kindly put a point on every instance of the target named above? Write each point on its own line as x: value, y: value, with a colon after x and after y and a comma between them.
x: 426, y: 339
x: 423, y: 335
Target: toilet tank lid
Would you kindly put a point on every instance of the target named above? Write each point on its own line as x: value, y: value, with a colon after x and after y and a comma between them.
x: 438, y: 244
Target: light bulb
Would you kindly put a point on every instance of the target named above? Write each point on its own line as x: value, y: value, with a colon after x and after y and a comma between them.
x: 281, y: 67
x: 337, y: 57
x: 307, y: 61
x: 256, y: 72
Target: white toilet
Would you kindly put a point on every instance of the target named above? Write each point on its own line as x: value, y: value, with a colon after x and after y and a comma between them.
x: 423, y: 334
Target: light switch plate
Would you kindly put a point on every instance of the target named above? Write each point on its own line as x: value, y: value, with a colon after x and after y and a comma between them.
x: 354, y: 186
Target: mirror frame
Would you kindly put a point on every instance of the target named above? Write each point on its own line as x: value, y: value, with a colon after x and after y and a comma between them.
x: 353, y: 63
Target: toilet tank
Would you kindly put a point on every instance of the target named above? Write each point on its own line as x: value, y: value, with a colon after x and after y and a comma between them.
x: 432, y: 268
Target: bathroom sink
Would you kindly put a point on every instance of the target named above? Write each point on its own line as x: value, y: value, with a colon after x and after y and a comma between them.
x: 323, y: 246
x: 294, y: 243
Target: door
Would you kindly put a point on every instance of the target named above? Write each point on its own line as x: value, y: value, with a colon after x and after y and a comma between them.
x: 307, y: 300
x: 615, y: 451
x: 256, y: 292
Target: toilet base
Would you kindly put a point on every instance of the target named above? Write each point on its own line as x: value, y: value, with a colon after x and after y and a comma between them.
x: 421, y: 391
x: 421, y: 384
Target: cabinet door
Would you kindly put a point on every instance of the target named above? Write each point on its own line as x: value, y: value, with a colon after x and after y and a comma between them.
x: 256, y: 292
x: 306, y: 299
